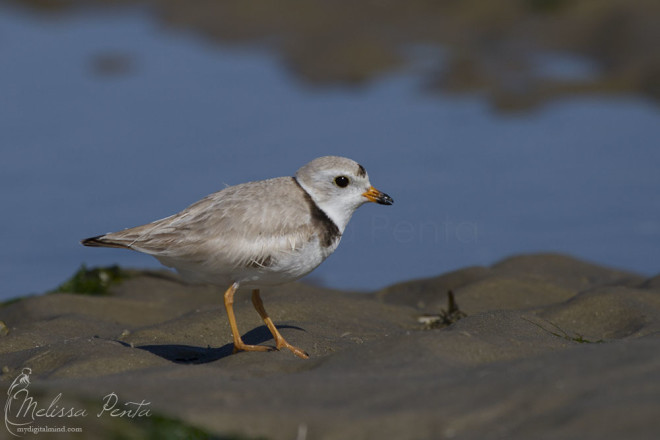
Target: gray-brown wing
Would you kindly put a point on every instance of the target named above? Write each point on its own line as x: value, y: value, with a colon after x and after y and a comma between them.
x: 236, y: 226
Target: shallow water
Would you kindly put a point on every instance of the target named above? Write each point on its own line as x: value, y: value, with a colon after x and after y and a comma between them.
x: 108, y: 121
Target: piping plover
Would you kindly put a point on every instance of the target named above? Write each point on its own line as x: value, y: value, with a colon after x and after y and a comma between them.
x: 257, y: 233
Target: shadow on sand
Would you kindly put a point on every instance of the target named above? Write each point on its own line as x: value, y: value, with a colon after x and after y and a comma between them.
x: 187, y: 354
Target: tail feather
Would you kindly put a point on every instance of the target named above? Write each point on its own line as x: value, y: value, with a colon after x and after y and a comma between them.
x: 102, y: 241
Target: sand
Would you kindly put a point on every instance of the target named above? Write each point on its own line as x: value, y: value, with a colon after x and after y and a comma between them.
x: 551, y: 347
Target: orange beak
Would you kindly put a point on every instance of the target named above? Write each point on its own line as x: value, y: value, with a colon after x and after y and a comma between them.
x: 373, y: 195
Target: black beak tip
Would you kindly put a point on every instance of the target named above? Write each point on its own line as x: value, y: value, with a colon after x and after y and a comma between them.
x: 384, y: 199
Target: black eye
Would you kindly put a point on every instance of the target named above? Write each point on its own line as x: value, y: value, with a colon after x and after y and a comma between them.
x: 342, y: 181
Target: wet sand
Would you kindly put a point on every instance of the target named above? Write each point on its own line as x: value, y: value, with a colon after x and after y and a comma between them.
x: 551, y: 347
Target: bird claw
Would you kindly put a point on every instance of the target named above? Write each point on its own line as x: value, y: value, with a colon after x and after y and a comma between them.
x: 295, y: 350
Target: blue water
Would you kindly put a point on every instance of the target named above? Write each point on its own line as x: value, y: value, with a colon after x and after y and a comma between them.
x: 83, y: 154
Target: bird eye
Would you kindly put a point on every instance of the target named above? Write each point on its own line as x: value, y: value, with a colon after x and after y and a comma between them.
x: 342, y: 181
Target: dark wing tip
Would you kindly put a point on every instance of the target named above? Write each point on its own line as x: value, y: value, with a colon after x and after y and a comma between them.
x: 92, y: 241
x: 99, y: 241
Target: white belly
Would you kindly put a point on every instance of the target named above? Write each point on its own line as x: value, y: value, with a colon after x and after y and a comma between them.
x: 286, y: 266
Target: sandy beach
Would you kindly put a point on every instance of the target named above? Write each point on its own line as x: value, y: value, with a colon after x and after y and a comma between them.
x: 546, y: 347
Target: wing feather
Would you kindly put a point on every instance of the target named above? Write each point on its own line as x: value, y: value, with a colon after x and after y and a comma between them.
x: 238, y: 226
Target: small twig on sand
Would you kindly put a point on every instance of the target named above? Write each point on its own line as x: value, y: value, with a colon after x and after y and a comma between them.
x: 446, y: 317
x: 563, y: 334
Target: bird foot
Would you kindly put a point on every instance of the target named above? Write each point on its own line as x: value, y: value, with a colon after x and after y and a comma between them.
x: 295, y: 350
x: 246, y: 347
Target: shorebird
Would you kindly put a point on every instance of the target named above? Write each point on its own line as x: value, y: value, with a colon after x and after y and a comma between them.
x: 257, y: 234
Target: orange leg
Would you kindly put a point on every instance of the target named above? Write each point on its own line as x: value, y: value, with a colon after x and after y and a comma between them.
x: 279, y: 339
x: 239, y: 345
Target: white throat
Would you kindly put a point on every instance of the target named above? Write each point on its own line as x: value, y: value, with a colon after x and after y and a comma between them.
x: 339, y: 213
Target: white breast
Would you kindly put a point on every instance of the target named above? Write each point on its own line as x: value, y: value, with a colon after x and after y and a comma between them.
x: 288, y: 266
